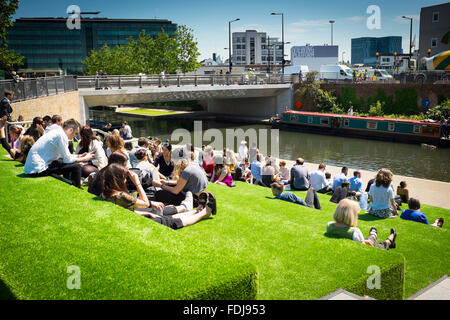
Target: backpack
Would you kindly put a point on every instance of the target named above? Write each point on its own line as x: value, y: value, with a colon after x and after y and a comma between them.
x: 144, y: 178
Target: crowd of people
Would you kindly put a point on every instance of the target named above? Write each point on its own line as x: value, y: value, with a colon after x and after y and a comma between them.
x: 168, y: 184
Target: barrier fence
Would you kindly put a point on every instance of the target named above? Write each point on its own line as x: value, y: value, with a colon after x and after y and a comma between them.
x: 39, y: 87
x: 118, y: 82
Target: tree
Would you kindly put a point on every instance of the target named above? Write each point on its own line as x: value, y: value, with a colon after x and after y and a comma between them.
x: 8, y: 58
x: 147, y: 54
x: 187, y: 50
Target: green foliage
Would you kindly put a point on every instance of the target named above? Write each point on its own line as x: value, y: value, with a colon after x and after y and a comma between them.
x: 308, y: 92
x: 147, y: 54
x: 386, y: 101
x: 376, y: 109
x: 9, y: 60
x: 442, y: 110
x: 327, y: 102
x: 348, y: 98
x: 406, y: 101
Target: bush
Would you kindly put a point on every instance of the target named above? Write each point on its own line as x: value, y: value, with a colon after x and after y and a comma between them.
x: 387, y: 101
x: 327, y: 102
x: 376, y: 109
x: 443, y: 110
x: 348, y: 98
x: 406, y: 101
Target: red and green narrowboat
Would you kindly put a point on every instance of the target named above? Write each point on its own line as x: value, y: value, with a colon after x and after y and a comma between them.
x: 388, y: 129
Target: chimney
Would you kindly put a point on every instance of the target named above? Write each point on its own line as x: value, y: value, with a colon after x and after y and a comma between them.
x: 214, y: 57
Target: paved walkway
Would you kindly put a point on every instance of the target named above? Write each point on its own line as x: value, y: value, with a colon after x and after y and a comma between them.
x: 438, y: 290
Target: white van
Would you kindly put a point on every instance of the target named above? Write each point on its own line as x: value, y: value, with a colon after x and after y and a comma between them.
x: 380, y: 75
x: 335, y: 72
x: 296, y: 70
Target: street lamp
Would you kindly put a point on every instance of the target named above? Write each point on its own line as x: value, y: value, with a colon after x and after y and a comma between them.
x: 282, y: 36
x: 332, y: 22
x: 229, y: 42
x: 410, y: 36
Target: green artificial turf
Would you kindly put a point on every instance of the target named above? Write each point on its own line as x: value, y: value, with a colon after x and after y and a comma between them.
x: 150, y: 112
x: 256, y: 247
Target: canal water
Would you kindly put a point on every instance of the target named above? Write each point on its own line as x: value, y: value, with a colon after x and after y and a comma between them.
x: 402, y: 159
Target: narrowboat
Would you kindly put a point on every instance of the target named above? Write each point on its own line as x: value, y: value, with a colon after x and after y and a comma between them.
x: 387, y: 129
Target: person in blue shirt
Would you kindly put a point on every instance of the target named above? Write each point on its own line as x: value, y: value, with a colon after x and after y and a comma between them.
x: 414, y: 214
x: 256, y: 168
x: 356, y: 183
x: 339, y: 178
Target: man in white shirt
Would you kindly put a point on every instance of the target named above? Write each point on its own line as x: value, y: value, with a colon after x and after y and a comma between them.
x: 318, y: 180
x: 243, y: 151
x: 50, y: 154
x: 56, y: 122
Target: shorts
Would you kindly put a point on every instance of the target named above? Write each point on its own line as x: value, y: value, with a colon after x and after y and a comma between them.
x: 168, y: 221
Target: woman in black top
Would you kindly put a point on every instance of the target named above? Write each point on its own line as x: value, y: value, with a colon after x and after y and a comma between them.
x: 164, y: 161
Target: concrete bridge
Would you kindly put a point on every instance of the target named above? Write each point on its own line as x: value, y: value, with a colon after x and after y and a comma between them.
x: 231, y: 95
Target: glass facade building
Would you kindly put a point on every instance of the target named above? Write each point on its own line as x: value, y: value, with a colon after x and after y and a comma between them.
x: 47, y: 43
x: 364, y: 50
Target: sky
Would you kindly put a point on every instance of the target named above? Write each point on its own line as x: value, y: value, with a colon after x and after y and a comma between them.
x: 305, y: 21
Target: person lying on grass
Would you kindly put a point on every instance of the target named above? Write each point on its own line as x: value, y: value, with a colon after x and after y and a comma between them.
x: 311, y: 199
x: 345, y: 226
x: 414, y: 214
x: 115, y: 191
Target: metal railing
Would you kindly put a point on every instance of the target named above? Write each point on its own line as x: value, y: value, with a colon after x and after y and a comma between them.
x: 119, y: 81
x: 38, y: 87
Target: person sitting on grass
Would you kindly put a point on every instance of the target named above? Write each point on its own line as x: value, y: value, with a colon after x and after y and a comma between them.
x: 356, y: 184
x: 339, y: 178
x: 345, y: 226
x: 126, y: 132
x: 116, y: 143
x: 50, y: 154
x: 55, y: 122
x: 299, y: 176
x: 285, y: 173
x: 342, y: 192
x: 403, y: 192
x: 268, y: 173
x: 16, y: 136
x: 143, y: 143
x: 25, y: 145
x: 222, y: 173
x: 208, y: 161
x: 145, y: 166
x: 115, y: 191
x: 329, y: 181
x: 163, y: 161
x: 311, y: 199
x: 256, y: 168
x: 90, y: 143
x: 414, y: 214
x: 381, y: 196
x: 318, y: 180
x: 36, y: 130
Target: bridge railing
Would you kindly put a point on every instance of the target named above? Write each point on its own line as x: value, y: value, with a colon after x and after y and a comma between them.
x: 38, y: 87
x: 119, y: 81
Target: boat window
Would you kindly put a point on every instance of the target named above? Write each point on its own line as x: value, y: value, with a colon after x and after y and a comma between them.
x: 372, y: 125
x: 346, y: 122
x: 310, y: 119
x: 294, y: 117
x: 391, y: 126
x: 416, y: 129
x: 325, y: 121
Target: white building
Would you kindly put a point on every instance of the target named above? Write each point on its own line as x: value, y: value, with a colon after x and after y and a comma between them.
x: 314, y: 56
x: 251, y: 48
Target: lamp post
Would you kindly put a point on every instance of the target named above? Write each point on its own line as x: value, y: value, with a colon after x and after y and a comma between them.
x: 332, y: 22
x: 378, y: 60
x: 282, y: 36
x: 410, y: 36
x: 229, y: 42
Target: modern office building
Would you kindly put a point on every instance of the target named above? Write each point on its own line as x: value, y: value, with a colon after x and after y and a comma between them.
x: 47, y: 43
x: 434, y: 29
x: 364, y: 50
x: 314, y: 56
x: 252, y: 48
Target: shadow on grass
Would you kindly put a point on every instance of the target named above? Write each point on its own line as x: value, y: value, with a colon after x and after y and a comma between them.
x: 368, y: 217
x: 5, y: 293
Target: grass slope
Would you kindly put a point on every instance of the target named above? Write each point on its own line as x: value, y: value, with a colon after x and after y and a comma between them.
x: 149, y: 112
x: 256, y: 247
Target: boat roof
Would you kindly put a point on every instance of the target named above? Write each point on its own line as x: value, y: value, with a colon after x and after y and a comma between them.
x: 359, y: 117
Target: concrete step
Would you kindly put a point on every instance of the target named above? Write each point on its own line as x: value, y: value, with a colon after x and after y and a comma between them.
x: 438, y: 290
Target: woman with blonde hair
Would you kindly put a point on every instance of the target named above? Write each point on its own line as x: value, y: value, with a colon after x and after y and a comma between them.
x: 25, y: 145
x: 222, y: 173
x: 190, y: 181
x: 345, y: 226
x: 381, y: 196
